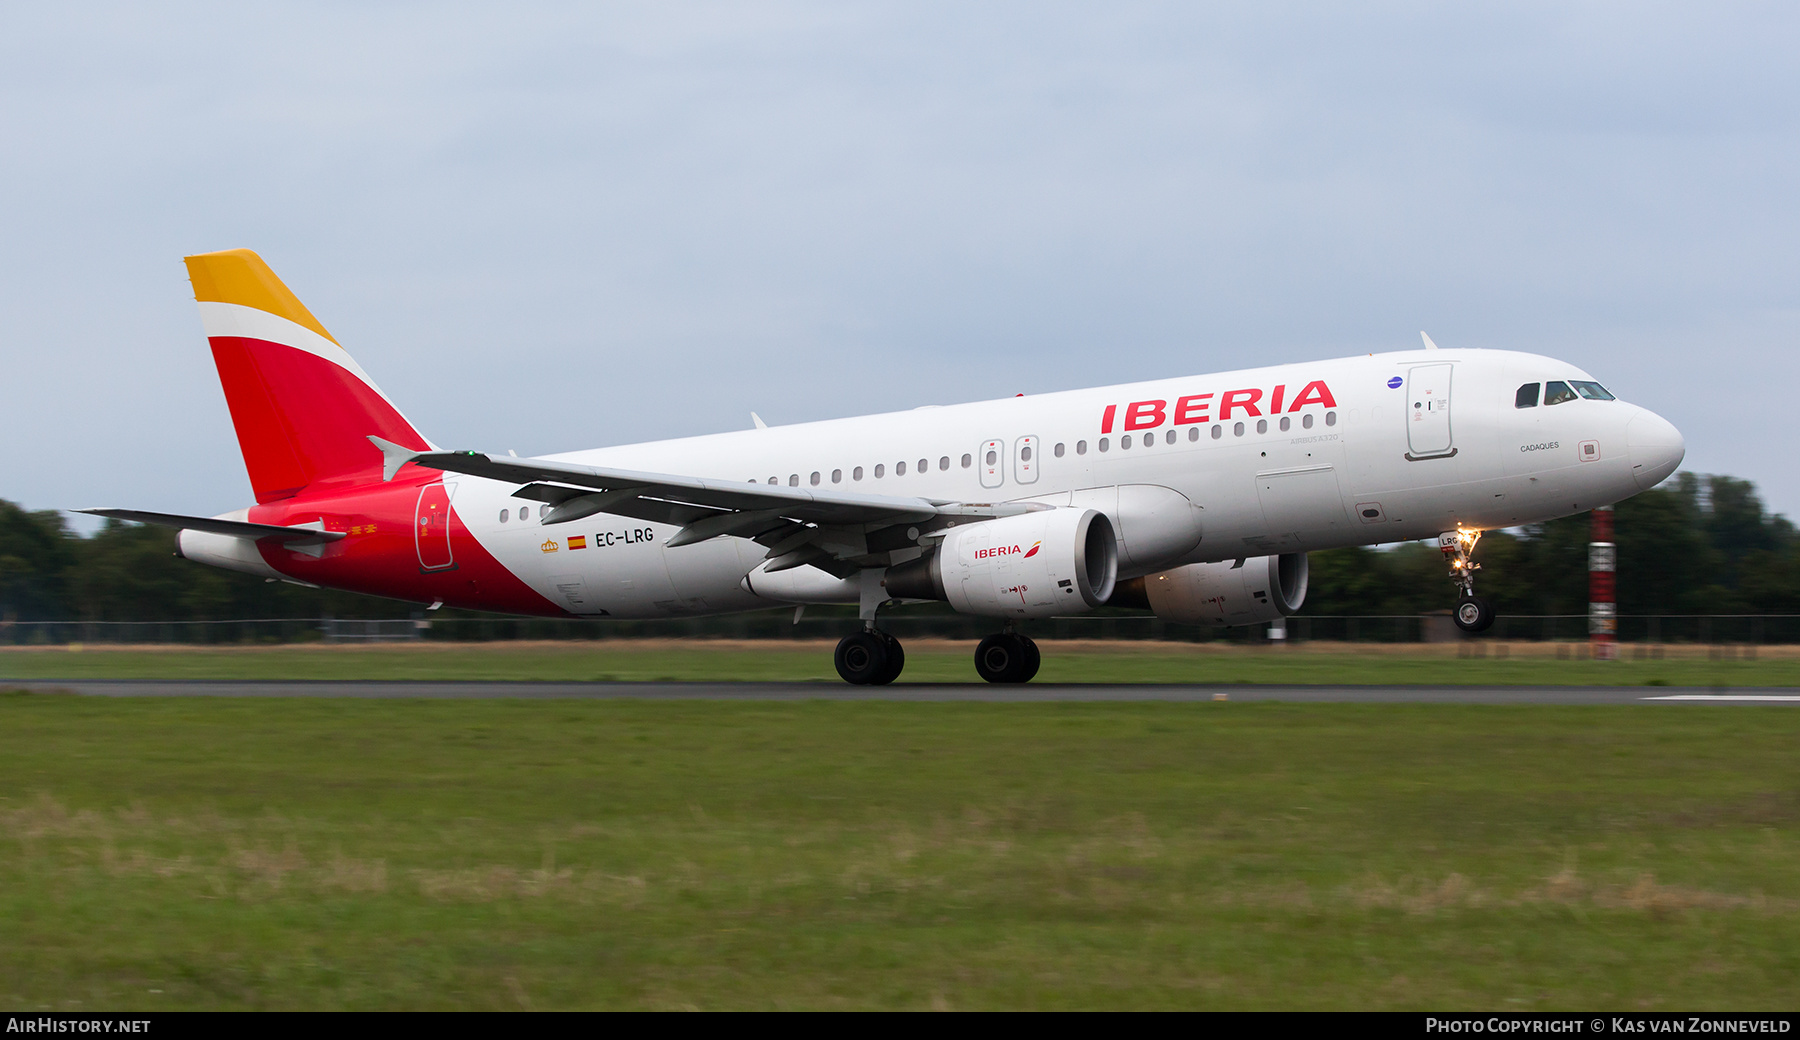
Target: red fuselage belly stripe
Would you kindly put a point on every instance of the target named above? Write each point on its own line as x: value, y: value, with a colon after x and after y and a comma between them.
x: 384, y: 555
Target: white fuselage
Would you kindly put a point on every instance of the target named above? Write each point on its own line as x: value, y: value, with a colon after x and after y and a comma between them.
x: 1201, y: 478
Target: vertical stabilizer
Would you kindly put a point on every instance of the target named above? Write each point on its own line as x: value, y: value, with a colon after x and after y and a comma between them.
x: 303, y: 409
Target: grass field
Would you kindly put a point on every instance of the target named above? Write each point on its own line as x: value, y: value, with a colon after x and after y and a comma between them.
x: 390, y: 854
x: 926, y: 661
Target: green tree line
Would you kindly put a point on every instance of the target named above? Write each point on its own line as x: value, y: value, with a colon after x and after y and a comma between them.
x: 1696, y: 545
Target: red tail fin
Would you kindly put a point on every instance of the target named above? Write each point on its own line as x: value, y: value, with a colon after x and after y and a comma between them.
x: 302, y: 407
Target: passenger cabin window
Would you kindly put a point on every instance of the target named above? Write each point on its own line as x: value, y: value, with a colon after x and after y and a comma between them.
x: 899, y: 469
x: 1591, y: 390
x: 880, y: 471
x: 856, y: 474
x: 1059, y: 450
x: 1556, y: 392
x: 1081, y: 447
x: 944, y: 463
x: 968, y: 460
x: 1169, y: 438
x: 1526, y: 397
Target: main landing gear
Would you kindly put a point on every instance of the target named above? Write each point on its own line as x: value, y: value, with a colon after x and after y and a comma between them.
x: 1472, y: 614
x: 1007, y: 657
x: 874, y: 658
x: 869, y: 658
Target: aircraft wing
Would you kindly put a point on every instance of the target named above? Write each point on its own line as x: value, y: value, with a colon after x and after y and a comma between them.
x: 240, y: 528
x: 835, y: 530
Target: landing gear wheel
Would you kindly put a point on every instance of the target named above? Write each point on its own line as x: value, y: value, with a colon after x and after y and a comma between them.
x: 1474, y: 614
x: 896, y: 660
x: 862, y: 658
x: 1006, y: 658
x: 1032, y: 658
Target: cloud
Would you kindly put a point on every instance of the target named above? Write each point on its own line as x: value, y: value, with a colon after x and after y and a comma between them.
x: 558, y: 226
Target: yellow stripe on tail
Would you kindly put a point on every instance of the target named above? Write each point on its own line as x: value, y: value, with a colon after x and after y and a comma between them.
x: 239, y: 276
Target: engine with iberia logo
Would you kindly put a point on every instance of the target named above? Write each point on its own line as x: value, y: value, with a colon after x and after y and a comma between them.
x: 1051, y: 561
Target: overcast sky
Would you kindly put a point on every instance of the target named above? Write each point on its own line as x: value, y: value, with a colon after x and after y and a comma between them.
x: 545, y: 227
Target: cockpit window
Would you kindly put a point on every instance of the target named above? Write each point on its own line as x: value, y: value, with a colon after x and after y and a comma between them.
x: 1591, y: 390
x: 1556, y: 392
x: 1526, y: 397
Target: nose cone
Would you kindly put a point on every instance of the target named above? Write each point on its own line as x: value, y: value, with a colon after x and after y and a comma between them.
x: 1655, y: 446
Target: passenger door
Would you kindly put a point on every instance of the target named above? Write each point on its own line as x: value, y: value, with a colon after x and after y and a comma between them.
x: 1428, y: 412
x: 431, y: 527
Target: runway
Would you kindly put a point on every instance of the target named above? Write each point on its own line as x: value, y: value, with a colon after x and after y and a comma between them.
x: 1032, y: 692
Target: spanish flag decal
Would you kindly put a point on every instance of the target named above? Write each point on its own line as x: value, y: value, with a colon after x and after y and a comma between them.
x: 578, y: 542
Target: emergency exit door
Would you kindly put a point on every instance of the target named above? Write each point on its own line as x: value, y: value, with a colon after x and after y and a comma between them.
x: 431, y: 528
x: 992, y: 461
x: 1025, y: 460
x: 1428, y: 412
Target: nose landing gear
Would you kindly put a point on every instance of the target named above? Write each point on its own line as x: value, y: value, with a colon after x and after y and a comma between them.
x: 1472, y: 614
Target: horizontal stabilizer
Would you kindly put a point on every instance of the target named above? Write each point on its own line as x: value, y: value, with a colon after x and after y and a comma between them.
x: 238, y: 528
x: 393, y: 456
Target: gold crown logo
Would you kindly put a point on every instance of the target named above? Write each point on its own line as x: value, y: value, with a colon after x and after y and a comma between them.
x: 549, y: 545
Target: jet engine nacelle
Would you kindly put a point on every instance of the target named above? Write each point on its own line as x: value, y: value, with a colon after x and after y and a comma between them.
x: 1261, y: 589
x: 1053, y: 561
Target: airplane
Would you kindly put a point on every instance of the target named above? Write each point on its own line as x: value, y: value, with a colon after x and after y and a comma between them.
x: 1197, y: 497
